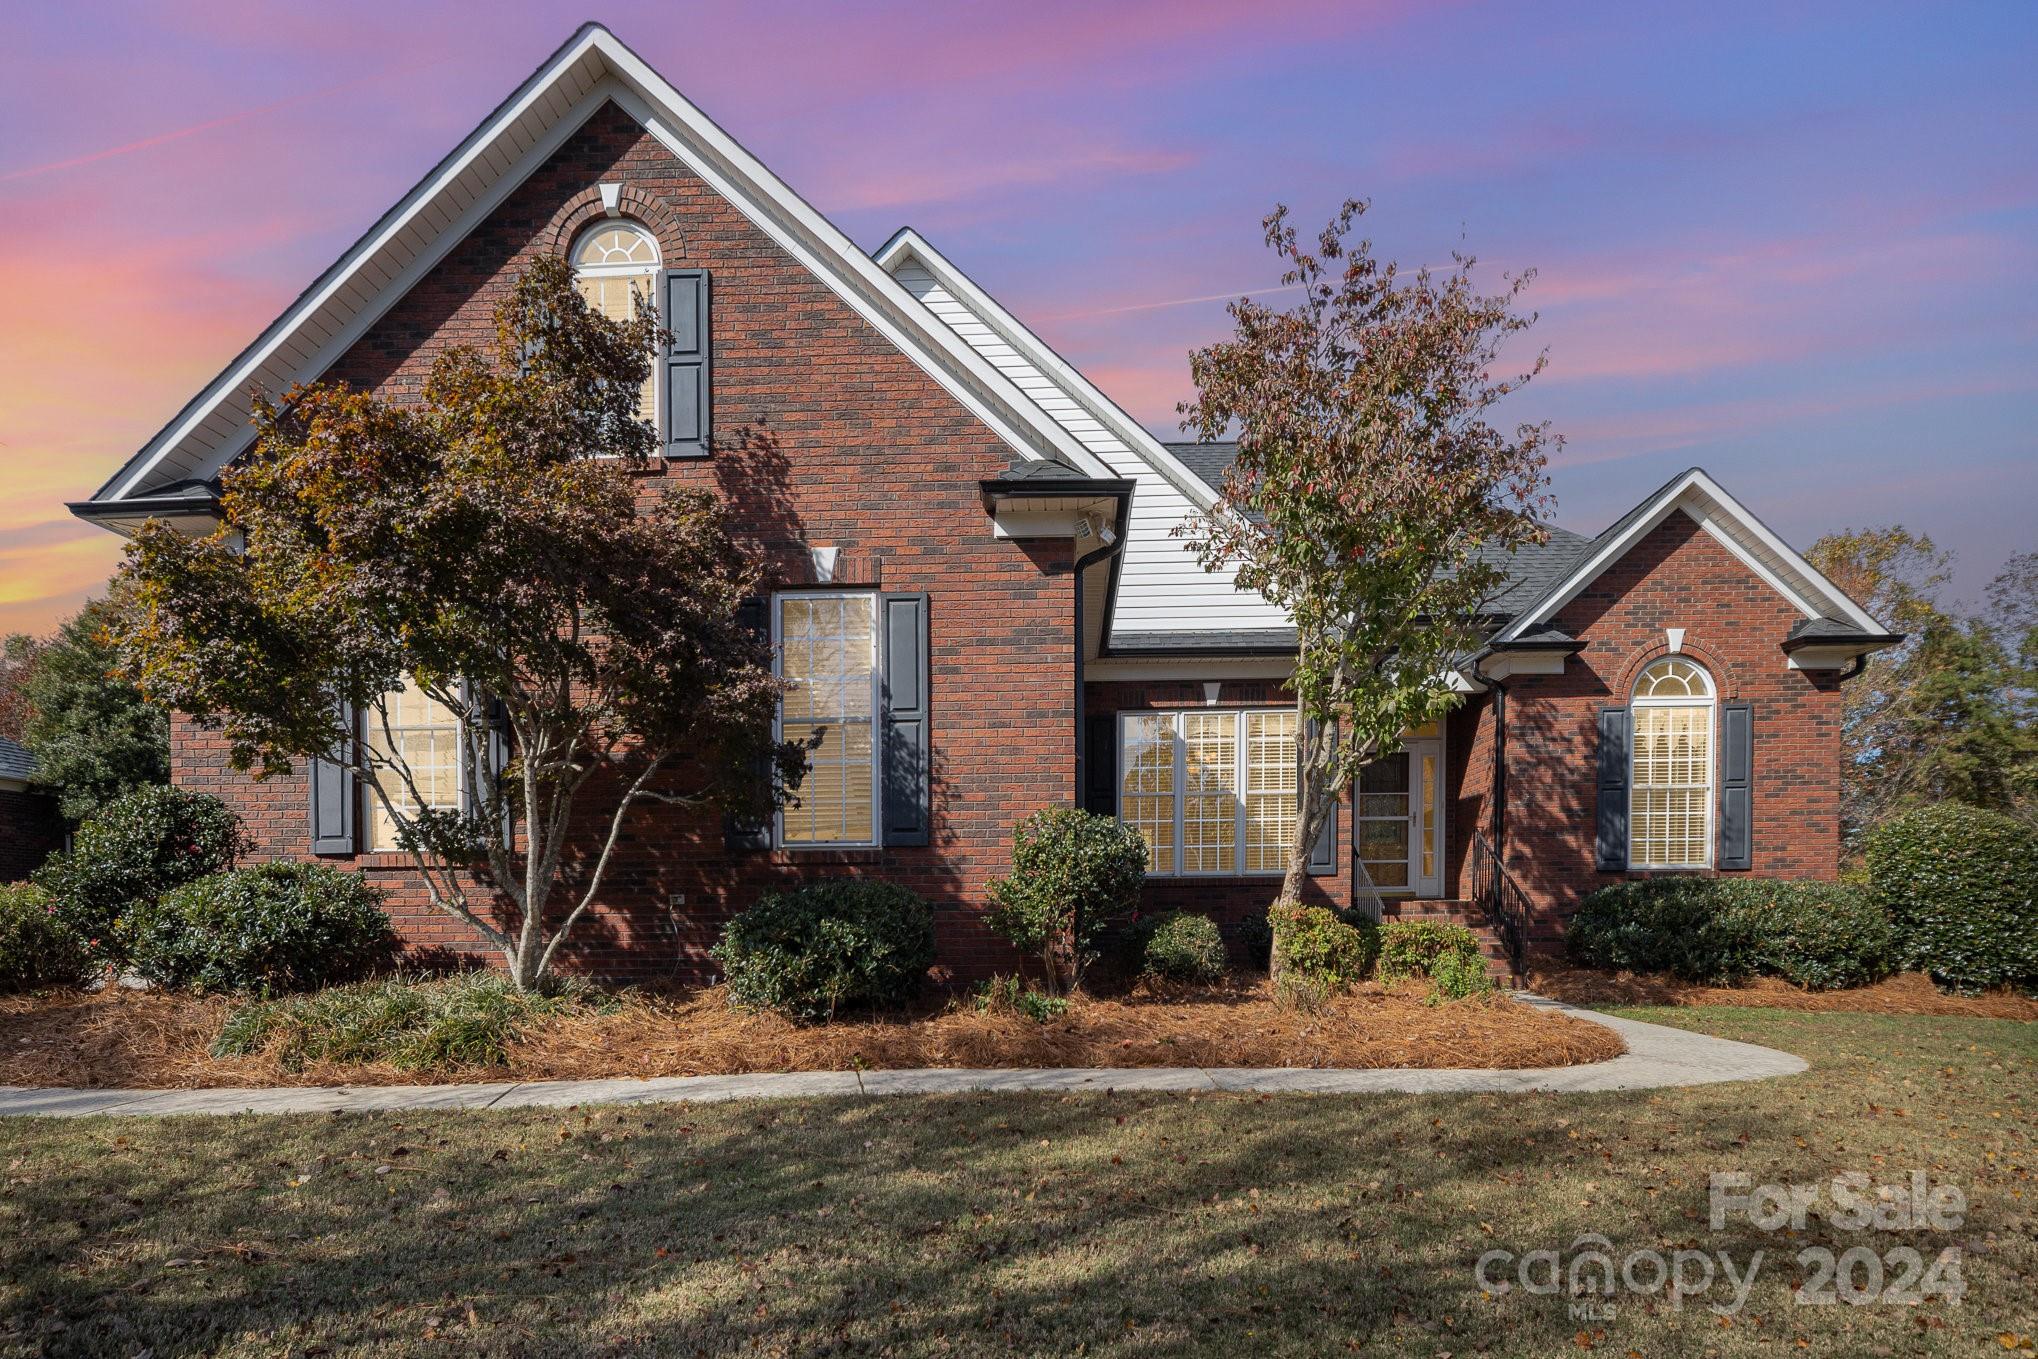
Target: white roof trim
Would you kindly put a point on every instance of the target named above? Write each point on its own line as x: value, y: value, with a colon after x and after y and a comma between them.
x: 619, y: 75
x: 1740, y: 532
x: 908, y: 243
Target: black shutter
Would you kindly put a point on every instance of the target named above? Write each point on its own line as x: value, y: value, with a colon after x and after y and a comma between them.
x: 1737, y: 765
x: 333, y: 800
x: 1100, y: 765
x: 685, y: 406
x: 491, y: 741
x: 754, y: 616
x: 1322, y: 854
x: 1610, y: 844
x: 906, y: 775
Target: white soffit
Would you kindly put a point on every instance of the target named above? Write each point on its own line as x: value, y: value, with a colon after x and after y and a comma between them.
x: 592, y: 68
x: 1725, y: 519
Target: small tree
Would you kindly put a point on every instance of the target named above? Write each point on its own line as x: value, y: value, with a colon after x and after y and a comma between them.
x: 94, y: 736
x: 488, y: 545
x: 1371, y: 497
x: 1073, y: 872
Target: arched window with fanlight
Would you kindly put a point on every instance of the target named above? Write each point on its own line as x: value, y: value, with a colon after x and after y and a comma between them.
x: 1670, y: 793
x: 614, y: 264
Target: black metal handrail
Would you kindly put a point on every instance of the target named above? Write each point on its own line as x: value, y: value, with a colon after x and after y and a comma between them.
x: 1495, y: 891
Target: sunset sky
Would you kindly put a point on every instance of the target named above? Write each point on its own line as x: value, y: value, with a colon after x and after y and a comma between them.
x: 1797, y: 245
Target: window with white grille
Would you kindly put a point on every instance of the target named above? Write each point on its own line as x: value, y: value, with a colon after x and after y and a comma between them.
x: 422, y: 735
x: 1671, y: 793
x: 615, y: 264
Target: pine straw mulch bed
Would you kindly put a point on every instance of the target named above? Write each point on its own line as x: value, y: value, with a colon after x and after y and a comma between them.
x: 1908, y: 993
x: 160, y: 1040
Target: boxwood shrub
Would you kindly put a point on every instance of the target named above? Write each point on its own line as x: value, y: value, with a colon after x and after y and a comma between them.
x: 37, y: 946
x: 1315, y: 943
x: 1960, y: 885
x: 133, y: 850
x: 270, y: 929
x: 1414, y: 948
x: 1185, y: 947
x: 1722, y: 931
x: 826, y: 946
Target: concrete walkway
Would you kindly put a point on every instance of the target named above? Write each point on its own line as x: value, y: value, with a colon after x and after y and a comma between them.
x: 1656, y: 1057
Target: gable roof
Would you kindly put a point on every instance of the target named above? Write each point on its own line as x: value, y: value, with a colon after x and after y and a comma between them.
x: 591, y: 69
x: 1530, y: 569
x: 1695, y: 493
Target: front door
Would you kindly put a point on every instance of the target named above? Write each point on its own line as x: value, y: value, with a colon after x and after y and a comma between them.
x: 1399, y: 814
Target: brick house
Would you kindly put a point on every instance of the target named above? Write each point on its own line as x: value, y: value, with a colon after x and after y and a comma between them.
x: 978, y: 590
x: 30, y: 828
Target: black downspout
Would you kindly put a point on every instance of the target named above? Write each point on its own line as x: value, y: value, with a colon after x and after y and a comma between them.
x: 1499, y: 775
x: 1083, y: 563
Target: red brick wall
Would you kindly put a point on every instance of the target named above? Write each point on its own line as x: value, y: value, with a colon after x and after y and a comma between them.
x: 1677, y: 576
x: 30, y: 830
x: 839, y: 439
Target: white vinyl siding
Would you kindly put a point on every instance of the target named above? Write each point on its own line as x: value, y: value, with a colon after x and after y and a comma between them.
x: 1161, y: 587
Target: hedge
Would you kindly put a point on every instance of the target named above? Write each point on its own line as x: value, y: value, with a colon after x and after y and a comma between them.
x: 1721, y: 931
x: 1960, y: 885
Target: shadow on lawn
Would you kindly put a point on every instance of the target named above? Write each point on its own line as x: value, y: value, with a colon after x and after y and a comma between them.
x: 991, y: 1223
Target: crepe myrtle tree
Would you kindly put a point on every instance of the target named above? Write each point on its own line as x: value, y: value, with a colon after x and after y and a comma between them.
x: 1371, y: 495
x: 486, y: 544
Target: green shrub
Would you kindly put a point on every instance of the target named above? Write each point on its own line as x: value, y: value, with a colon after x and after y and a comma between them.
x: 1303, y: 991
x: 132, y: 851
x: 1721, y: 931
x: 1458, y: 976
x: 1254, y: 936
x: 413, y: 1025
x: 1011, y: 995
x: 1073, y: 874
x: 37, y: 946
x: 1415, y: 948
x: 1313, y: 942
x: 813, y: 950
x: 269, y: 929
x: 1184, y: 947
x: 1961, y: 888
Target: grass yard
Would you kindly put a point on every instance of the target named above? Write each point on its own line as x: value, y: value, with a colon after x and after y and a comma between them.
x: 1099, y: 1225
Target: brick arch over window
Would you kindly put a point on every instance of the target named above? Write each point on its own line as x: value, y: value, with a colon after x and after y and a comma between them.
x: 1726, y: 675
x: 585, y: 208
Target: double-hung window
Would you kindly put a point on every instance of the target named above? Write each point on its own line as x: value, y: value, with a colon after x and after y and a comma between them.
x: 615, y: 267
x: 412, y: 731
x: 1671, y: 794
x: 1212, y: 792
x: 828, y: 654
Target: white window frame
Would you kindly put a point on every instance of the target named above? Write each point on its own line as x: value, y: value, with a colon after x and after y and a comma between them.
x: 372, y: 729
x: 877, y: 745
x: 1710, y: 702
x: 1240, y: 756
x: 657, y: 267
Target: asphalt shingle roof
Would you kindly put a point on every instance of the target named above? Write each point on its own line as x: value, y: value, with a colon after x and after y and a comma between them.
x: 15, y: 761
x: 1531, y: 570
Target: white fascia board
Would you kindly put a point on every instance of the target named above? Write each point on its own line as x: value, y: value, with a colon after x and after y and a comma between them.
x: 734, y: 173
x: 343, y: 271
x: 1726, y: 520
x: 820, y: 245
x: 910, y: 244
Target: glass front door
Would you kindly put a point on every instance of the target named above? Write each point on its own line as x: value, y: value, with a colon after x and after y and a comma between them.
x: 1399, y: 814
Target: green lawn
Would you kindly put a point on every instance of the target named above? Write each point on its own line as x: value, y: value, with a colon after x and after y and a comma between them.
x: 992, y: 1225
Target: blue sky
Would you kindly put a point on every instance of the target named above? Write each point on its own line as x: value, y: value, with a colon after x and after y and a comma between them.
x: 1795, y: 245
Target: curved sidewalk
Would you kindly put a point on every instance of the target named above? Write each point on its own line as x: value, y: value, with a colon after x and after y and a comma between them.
x: 1657, y: 1057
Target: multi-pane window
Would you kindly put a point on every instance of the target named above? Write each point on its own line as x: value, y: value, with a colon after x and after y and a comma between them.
x: 413, y: 731
x: 615, y: 264
x: 1272, y: 801
x: 828, y: 653
x: 1670, y: 814
x: 1210, y: 791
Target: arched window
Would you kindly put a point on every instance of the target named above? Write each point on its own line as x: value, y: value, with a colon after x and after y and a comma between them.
x: 1671, y: 792
x: 614, y: 263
